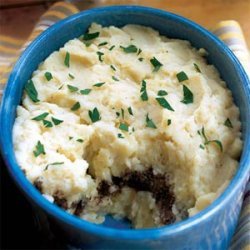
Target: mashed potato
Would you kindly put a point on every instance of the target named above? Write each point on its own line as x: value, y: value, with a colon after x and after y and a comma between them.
x: 129, y: 123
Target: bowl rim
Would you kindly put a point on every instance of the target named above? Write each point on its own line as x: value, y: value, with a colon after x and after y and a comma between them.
x: 99, y: 230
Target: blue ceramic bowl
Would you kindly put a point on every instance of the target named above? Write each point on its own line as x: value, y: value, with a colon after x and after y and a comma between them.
x: 210, y: 229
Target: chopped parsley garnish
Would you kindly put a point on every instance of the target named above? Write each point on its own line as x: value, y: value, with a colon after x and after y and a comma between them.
x: 206, y: 141
x: 102, y: 44
x: 133, y: 129
x: 122, y: 111
x: 162, y: 93
x: 150, y: 123
x: 197, y: 68
x: 85, y: 91
x: 181, y: 76
x: 139, y: 52
x: 169, y: 122
x: 187, y: 95
x: 130, y: 111
x: 130, y: 49
x: 76, y: 106
x: 31, y: 91
x: 164, y: 103
x: 90, y: 36
x: 53, y: 164
x: 47, y: 124
x: 117, y: 114
x: 144, y: 94
x: 39, y: 149
x: 72, y: 88
x: 112, y: 67
x: 202, y: 146
x: 87, y: 43
x: 123, y: 127
x: 80, y: 140
x: 228, y: 123
x: 66, y: 59
x: 70, y: 137
x: 60, y: 87
x: 41, y: 117
x: 111, y: 48
x: 56, y: 121
x: 120, y: 136
x: 100, y: 54
x: 140, y: 59
x: 71, y: 76
x: 156, y: 64
x: 94, y: 115
x: 48, y: 76
x: 99, y: 84
x: 115, y: 79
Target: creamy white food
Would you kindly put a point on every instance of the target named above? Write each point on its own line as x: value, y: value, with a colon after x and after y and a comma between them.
x: 127, y: 122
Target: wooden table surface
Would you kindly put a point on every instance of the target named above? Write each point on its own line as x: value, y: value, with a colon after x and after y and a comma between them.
x: 18, y: 20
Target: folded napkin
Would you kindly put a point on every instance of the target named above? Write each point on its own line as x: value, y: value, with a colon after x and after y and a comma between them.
x: 228, y: 31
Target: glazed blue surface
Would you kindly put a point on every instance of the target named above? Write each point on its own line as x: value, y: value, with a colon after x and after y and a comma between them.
x: 210, y: 229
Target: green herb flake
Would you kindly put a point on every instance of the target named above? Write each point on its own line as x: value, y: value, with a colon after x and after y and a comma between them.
x: 70, y: 137
x: 117, y: 114
x: 123, y: 127
x: 71, y: 76
x: 202, y: 146
x: 39, y: 149
x: 228, y: 123
x: 40, y: 117
x: 162, y: 93
x: 90, y: 36
x: 150, y: 123
x: 72, y: 88
x: 144, y: 94
x: 31, y: 91
x: 122, y: 112
x: 67, y: 59
x: 48, y: 76
x: 112, y: 47
x: 130, y: 111
x: 115, y: 79
x: 94, y: 115
x: 76, y: 106
x: 112, y: 67
x: 80, y: 140
x: 164, y: 103
x: 100, y: 54
x: 85, y: 91
x: 187, y: 95
x: 206, y: 141
x: 156, y: 64
x: 129, y: 49
x: 60, y: 87
x: 169, y: 122
x: 53, y: 164
x: 87, y: 43
x: 120, y: 136
x: 99, y: 84
x: 140, y: 59
x: 56, y: 121
x: 139, y: 52
x: 102, y: 44
x: 133, y: 129
x: 181, y: 76
x: 47, y: 124
x: 197, y: 68
x: 57, y: 163
x: 217, y: 142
